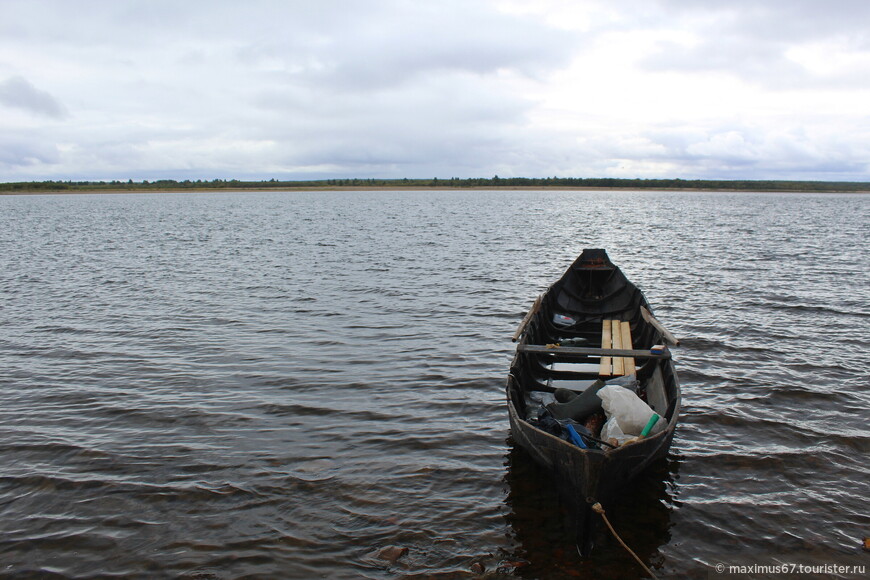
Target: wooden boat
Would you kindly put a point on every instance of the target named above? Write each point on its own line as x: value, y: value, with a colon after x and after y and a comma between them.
x: 591, y: 324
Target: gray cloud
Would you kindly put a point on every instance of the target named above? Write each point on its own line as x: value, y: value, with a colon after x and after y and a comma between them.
x: 17, y: 92
x: 752, y: 40
x: 395, y: 88
x: 403, y: 43
x: 18, y: 150
x: 777, y: 20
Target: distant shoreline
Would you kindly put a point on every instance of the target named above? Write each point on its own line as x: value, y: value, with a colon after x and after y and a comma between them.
x: 362, y: 188
x: 494, y: 183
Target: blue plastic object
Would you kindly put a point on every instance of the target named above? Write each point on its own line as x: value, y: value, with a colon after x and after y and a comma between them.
x: 575, y: 437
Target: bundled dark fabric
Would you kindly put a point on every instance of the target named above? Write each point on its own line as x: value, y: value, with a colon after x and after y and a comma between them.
x: 546, y: 422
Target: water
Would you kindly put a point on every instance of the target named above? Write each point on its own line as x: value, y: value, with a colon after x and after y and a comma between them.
x: 283, y: 384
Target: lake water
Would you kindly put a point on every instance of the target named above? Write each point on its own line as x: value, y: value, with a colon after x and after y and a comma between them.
x: 283, y: 384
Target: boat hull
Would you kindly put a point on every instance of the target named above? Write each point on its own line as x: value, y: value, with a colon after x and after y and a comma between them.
x: 587, y: 477
x: 592, y: 291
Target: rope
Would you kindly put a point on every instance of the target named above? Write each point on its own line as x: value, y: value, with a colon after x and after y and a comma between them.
x: 597, y: 508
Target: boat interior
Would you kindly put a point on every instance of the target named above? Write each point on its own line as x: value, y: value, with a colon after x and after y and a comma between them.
x: 593, y: 305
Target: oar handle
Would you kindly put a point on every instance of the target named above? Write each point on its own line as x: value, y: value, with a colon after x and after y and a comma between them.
x: 647, y: 315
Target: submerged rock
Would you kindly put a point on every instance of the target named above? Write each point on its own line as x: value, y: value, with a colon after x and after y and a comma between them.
x: 392, y: 553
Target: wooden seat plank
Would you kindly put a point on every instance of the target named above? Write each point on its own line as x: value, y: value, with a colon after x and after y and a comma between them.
x: 629, y: 367
x: 606, y: 365
x: 616, y: 334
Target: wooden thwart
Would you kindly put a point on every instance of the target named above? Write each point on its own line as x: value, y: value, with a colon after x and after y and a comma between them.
x: 616, y: 335
x: 583, y: 352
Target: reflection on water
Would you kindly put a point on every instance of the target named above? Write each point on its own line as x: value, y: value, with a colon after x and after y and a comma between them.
x: 544, y: 524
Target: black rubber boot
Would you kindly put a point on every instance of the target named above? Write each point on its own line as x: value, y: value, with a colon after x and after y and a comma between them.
x: 581, y: 406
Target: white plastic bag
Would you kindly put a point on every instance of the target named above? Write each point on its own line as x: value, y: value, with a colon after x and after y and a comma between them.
x: 626, y: 408
x: 611, y: 430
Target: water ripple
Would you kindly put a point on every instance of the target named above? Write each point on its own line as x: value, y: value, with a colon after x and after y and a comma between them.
x: 287, y: 384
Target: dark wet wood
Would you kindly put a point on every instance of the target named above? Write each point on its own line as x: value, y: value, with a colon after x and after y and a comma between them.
x: 582, y: 351
x: 529, y: 315
x: 670, y: 338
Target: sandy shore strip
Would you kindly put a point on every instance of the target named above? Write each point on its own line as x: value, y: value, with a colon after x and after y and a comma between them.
x: 310, y: 189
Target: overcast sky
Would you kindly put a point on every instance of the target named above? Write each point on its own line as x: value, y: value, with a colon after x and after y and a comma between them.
x: 261, y: 89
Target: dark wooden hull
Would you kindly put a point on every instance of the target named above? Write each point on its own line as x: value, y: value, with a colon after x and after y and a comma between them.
x: 586, y: 476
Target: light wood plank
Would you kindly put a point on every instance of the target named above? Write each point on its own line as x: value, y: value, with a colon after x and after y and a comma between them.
x: 630, y: 367
x: 606, y: 365
x: 618, y: 362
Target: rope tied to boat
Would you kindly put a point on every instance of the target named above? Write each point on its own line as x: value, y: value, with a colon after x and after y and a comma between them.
x: 599, y: 509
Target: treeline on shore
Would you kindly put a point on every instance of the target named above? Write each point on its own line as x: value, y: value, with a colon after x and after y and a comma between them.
x: 509, y: 182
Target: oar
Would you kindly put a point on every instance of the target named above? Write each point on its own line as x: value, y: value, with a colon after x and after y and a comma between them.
x: 532, y: 311
x: 658, y: 326
x: 584, y: 351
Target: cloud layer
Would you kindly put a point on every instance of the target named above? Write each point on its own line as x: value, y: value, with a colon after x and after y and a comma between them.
x: 394, y: 88
x: 16, y: 92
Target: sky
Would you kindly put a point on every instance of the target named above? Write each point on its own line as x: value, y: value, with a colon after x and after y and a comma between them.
x: 288, y: 89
